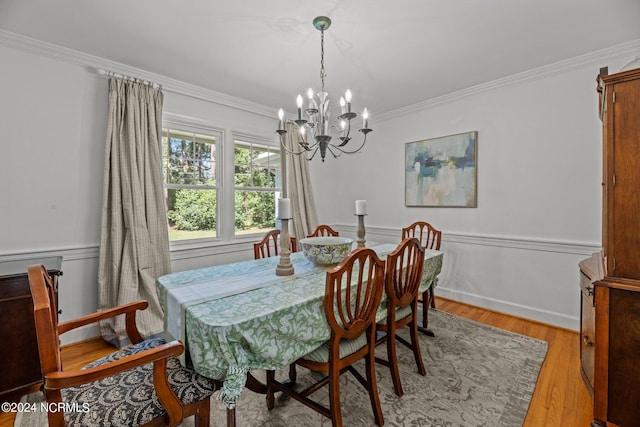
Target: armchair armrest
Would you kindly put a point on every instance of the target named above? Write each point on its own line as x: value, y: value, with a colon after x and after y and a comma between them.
x: 75, y: 377
x: 127, y: 309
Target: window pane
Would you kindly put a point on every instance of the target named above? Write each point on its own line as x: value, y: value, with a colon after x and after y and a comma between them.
x: 188, y: 158
x: 192, y: 213
x: 254, y: 211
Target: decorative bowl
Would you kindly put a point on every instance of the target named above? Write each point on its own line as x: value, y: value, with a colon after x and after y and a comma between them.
x: 326, y: 250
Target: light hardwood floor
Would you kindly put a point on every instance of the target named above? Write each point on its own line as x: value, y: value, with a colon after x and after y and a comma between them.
x: 560, y: 398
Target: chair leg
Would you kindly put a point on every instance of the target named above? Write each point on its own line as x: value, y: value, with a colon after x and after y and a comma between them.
x: 415, y: 346
x: 432, y: 296
x: 393, y: 361
x: 202, y: 415
x: 373, y: 387
x: 270, y: 394
x: 334, y: 397
x: 425, y: 308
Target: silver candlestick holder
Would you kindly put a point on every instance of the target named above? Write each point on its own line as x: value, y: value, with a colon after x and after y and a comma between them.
x: 360, y: 231
x: 284, y: 267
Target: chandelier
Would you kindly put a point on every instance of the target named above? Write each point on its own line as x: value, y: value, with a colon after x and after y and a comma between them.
x: 318, y: 117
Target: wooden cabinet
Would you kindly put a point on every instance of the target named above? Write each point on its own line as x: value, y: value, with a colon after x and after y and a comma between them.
x: 610, y: 283
x: 616, y: 397
x: 19, y: 360
x: 590, y: 272
x: 620, y: 101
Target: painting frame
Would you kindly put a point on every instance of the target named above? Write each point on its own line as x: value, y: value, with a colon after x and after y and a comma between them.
x: 442, y: 171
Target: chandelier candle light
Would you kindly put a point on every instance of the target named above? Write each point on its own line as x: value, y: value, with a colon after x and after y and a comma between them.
x: 284, y: 267
x: 318, y: 115
x: 361, y: 211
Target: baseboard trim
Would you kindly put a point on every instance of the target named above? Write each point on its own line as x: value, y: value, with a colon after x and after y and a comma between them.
x: 552, y: 318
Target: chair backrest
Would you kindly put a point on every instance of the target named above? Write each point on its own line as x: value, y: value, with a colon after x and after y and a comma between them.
x: 428, y: 236
x: 403, y: 273
x: 323, y: 230
x: 46, y: 319
x: 353, y: 291
x: 270, y: 245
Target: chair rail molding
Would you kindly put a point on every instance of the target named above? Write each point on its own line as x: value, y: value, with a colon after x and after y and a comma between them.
x: 510, y: 274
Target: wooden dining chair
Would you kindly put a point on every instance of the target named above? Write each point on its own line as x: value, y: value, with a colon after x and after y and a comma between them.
x: 353, y: 291
x: 144, y: 384
x: 323, y: 230
x: 270, y: 245
x: 403, y: 274
x: 429, y: 238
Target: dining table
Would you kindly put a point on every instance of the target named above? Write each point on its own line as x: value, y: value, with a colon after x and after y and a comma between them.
x: 238, y: 317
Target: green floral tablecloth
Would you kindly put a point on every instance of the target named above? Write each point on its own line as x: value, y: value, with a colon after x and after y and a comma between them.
x: 241, y: 316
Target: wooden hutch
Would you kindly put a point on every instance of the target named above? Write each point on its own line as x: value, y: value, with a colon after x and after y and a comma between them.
x: 610, y: 281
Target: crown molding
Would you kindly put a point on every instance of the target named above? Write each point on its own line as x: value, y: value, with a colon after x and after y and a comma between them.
x: 93, y: 63
x: 631, y: 48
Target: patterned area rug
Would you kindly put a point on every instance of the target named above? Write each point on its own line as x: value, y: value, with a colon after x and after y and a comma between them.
x: 477, y: 375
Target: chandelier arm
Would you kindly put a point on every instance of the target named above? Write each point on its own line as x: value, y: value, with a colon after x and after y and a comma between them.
x: 335, y: 156
x: 364, y: 141
x: 290, y: 151
x: 314, y: 153
x: 345, y: 139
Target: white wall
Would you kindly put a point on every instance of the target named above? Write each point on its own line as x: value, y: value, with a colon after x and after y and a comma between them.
x: 539, y: 173
x: 53, y: 120
x: 539, y: 187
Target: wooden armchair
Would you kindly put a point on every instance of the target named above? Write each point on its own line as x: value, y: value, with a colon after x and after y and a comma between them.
x: 353, y: 291
x: 403, y: 274
x: 429, y: 238
x: 270, y: 245
x: 143, y: 384
x: 323, y: 230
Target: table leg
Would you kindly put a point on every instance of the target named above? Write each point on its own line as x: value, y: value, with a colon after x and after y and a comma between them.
x: 231, y: 417
x: 426, y: 303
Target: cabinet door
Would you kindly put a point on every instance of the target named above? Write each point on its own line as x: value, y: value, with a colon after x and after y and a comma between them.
x: 623, y: 131
x: 587, y: 330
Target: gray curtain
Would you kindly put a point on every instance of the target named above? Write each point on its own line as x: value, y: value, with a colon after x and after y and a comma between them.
x: 134, y: 247
x: 298, y: 187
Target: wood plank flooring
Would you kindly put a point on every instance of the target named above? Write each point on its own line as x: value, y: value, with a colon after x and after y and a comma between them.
x: 560, y: 398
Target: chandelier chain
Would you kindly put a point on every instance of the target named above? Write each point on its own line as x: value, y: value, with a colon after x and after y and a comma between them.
x: 322, y: 73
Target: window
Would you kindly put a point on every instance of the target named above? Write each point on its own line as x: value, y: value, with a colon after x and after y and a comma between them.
x: 218, y: 185
x: 190, y: 170
x: 257, y: 181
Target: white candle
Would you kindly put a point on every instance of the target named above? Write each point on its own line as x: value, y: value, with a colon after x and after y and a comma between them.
x: 361, y: 207
x: 310, y: 96
x: 347, y: 97
x: 343, y: 105
x: 299, y: 104
x: 284, y: 208
x: 281, y: 119
x: 365, y: 119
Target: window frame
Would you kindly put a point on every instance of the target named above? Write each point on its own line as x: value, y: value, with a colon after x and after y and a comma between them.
x: 219, y: 135
x: 276, y: 189
x: 225, y: 183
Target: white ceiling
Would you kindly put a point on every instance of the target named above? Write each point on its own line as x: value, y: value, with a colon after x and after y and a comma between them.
x: 389, y: 53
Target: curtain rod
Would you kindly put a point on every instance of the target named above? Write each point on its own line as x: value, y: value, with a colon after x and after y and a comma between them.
x: 107, y: 73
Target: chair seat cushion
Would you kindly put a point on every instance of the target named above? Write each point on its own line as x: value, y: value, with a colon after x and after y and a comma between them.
x: 347, y: 347
x: 129, y: 399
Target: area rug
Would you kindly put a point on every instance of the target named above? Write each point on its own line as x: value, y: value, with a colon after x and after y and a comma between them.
x: 477, y: 375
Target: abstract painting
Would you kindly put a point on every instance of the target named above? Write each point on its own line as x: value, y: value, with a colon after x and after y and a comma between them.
x: 442, y: 172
